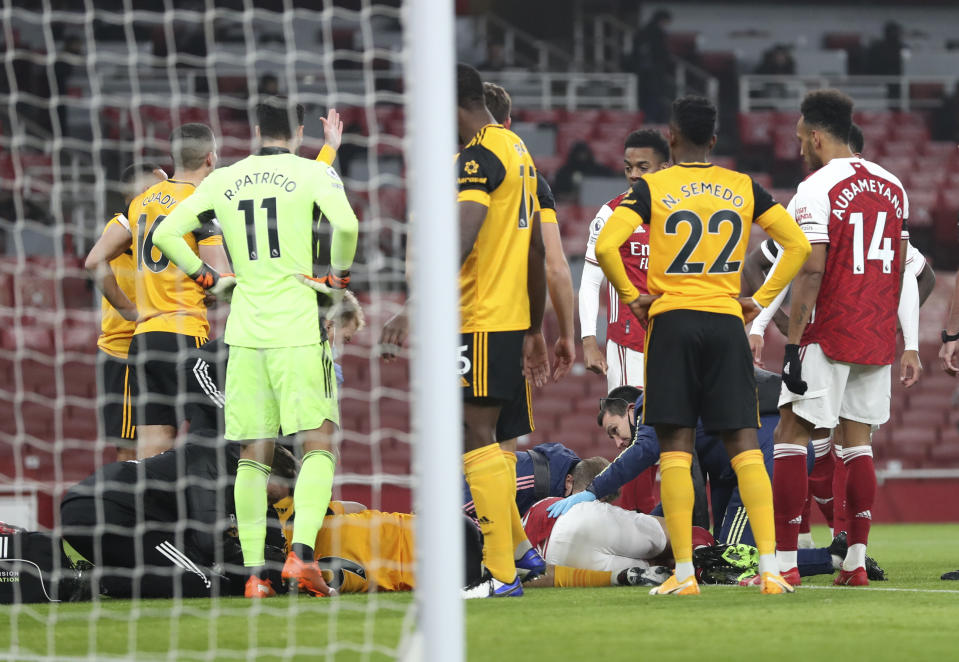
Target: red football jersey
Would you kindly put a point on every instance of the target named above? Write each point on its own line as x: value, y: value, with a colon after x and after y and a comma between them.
x: 860, y: 210
x: 539, y: 525
x: 622, y: 326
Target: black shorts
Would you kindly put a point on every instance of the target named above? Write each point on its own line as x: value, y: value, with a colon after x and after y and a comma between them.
x: 162, y: 387
x: 698, y: 365
x: 115, y: 412
x: 491, y: 371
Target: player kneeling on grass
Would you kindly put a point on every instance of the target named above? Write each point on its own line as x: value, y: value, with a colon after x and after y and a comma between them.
x: 281, y: 369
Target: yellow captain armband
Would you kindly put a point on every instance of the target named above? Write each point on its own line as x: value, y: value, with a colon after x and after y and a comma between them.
x: 327, y: 155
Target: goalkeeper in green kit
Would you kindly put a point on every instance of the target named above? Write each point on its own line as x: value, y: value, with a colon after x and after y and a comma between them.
x: 280, y: 373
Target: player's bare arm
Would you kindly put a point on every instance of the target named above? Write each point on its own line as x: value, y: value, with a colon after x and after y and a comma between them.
x: 949, y: 352
x: 535, y: 354
x: 115, y: 240
x: 333, y: 129
x: 805, y: 292
x: 559, y: 282
x: 472, y: 215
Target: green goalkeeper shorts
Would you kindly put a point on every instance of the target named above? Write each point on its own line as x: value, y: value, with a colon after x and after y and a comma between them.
x: 293, y: 388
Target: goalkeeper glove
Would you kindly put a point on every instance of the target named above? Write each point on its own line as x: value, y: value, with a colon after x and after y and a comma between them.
x: 332, y: 286
x: 792, y: 370
x: 562, y: 506
x: 219, y: 285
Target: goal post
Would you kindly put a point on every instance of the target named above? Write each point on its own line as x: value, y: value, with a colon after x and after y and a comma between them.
x: 436, y: 405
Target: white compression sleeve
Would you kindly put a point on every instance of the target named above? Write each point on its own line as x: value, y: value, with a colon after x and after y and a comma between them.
x: 589, y: 288
x: 909, y: 311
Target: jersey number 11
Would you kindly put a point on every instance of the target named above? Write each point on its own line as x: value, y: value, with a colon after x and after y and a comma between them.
x: 269, y: 204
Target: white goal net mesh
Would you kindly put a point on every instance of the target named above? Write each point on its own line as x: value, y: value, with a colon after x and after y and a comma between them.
x: 88, y: 88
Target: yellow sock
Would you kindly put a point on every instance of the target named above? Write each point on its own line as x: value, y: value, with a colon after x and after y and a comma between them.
x: 520, y: 541
x: 678, y: 497
x: 757, y: 495
x: 489, y: 478
x: 564, y: 576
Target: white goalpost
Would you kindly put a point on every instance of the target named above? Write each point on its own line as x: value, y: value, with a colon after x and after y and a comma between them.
x: 92, y: 87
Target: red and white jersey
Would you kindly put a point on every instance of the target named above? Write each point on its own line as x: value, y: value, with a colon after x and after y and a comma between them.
x: 860, y: 210
x: 539, y: 525
x: 622, y: 326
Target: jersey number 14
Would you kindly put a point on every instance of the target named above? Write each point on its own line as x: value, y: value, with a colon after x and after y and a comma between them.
x: 880, y: 248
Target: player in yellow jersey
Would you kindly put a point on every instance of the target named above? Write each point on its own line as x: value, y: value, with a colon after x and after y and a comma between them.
x: 116, y: 420
x: 502, y: 297
x: 171, y: 312
x: 697, y: 360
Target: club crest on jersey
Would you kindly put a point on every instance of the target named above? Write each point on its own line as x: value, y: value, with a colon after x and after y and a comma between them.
x: 471, y: 167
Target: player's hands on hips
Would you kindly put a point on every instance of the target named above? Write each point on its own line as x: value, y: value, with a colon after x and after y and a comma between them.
x: 219, y: 285
x: 332, y: 286
x: 792, y: 370
x: 563, y: 505
x: 640, y: 307
x: 910, y: 368
x: 535, y: 359
x: 333, y: 129
x: 750, y: 309
x: 394, y: 334
x: 564, y: 353
x: 949, y: 357
x: 593, y: 356
x: 756, y: 344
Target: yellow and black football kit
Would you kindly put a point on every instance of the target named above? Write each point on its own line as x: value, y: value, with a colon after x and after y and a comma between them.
x: 172, y: 316
x: 697, y: 356
x: 115, y: 401
x: 496, y: 171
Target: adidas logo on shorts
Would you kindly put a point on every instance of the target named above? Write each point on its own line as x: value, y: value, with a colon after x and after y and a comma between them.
x: 866, y: 514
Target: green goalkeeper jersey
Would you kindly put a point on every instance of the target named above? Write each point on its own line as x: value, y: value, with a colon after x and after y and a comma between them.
x: 267, y: 205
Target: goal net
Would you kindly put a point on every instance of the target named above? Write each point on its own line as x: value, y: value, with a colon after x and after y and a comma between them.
x: 88, y: 89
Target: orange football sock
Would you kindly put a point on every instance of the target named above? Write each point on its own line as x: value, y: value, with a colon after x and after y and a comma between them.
x: 520, y: 541
x: 678, y: 497
x: 565, y: 576
x: 489, y: 478
x: 757, y: 495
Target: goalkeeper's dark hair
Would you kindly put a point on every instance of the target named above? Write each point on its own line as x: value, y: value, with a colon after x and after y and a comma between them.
x: 857, y: 141
x: 189, y: 145
x: 498, y: 102
x: 469, y: 88
x: 586, y: 470
x: 617, y: 402
x: 285, y: 465
x: 134, y: 170
x: 278, y: 118
x: 650, y: 138
x: 695, y: 119
x: 829, y: 111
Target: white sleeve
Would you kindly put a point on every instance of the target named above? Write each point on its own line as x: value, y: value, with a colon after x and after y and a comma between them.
x: 589, y: 298
x: 915, y: 261
x: 811, y: 211
x: 905, y: 218
x: 595, y: 227
x: 765, y: 316
x: 909, y: 311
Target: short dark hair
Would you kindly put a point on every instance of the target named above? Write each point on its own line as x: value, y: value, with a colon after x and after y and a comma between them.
x: 829, y: 110
x: 274, y: 116
x: 856, y: 140
x: 649, y: 138
x: 586, y: 470
x: 133, y: 170
x: 695, y: 118
x: 617, y: 402
x: 190, y: 143
x: 498, y: 101
x: 469, y: 88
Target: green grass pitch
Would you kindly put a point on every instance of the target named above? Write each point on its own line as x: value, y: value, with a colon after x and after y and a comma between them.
x: 911, y: 617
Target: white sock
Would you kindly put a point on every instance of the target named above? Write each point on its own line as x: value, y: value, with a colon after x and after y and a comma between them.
x: 836, y: 562
x: 786, y: 560
x: 855, y: 557
x: 685, y: 570
x: 806, y: 541
x: 767, y: 563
